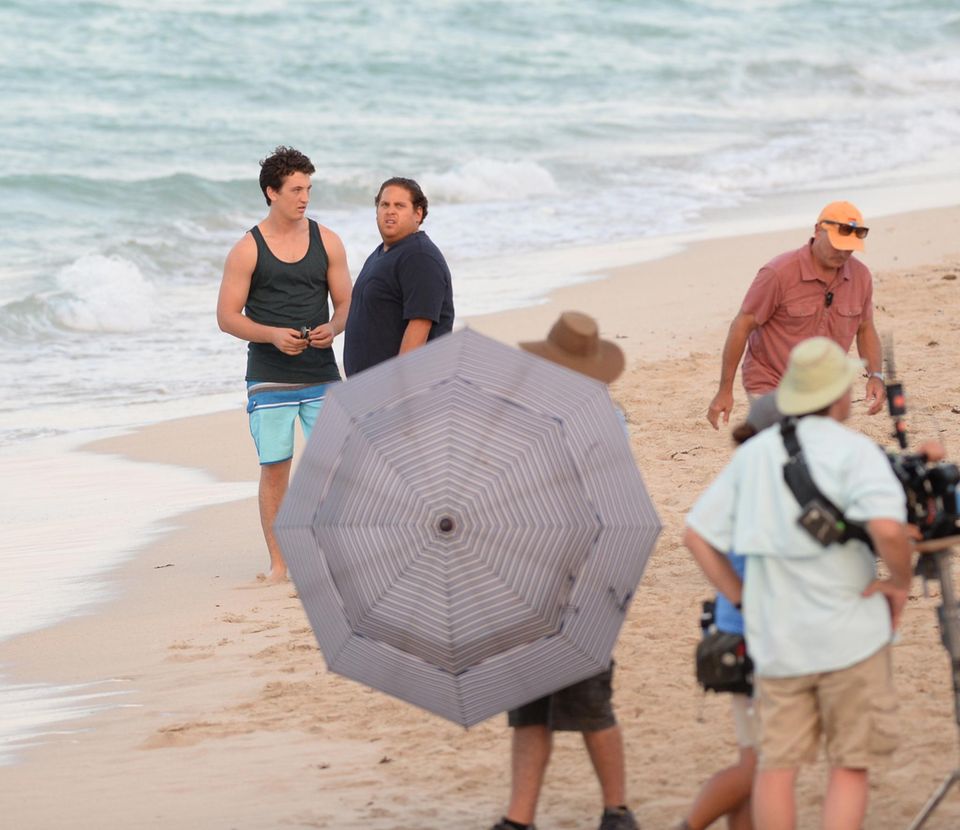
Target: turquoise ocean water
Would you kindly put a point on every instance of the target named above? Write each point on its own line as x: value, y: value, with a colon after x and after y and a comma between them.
x: 131, y: 130
x: 130, y: 133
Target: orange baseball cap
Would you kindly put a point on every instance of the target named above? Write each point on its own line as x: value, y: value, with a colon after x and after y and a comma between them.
x: 846, y: 214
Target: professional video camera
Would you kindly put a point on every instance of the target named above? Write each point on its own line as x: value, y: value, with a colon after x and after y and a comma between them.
x: 931, y: 491
x: 931, y: 488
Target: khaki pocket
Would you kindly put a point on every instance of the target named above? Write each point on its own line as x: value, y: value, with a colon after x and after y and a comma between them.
x: 884, y: 725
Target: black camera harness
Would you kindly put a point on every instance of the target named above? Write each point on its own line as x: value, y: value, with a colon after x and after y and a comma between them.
x: 820, y: 517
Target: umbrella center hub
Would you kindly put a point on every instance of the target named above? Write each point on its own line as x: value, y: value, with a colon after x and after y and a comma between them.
x: 446, y: 525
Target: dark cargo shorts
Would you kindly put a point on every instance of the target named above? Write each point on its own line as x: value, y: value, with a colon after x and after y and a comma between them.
x: 583, y: 707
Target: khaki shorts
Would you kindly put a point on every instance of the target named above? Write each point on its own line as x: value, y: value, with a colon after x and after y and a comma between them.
x: 853, y: 709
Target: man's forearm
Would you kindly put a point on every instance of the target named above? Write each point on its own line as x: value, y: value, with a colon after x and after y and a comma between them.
x: 339, y: 320
x: 415, y: 334
x: 869, y: 348
x: 893, y: 547
x: 897, y: 559
x: 733, y: 349
x: 715, y: 566
x: 243, y: 328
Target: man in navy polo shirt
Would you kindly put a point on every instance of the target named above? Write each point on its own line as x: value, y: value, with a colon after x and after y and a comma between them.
x: 403, y: 296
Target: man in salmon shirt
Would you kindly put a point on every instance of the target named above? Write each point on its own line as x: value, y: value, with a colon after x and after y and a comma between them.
x: 819, y: 289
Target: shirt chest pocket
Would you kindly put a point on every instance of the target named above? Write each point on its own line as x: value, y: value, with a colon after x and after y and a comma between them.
x: 845, y: 323
x: 800, y: 319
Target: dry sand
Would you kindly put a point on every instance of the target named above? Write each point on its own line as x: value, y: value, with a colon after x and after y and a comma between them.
x: 230, y: 719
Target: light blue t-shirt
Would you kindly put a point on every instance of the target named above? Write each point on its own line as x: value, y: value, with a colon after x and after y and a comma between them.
x: 802, y: 602
x: 726, y: 616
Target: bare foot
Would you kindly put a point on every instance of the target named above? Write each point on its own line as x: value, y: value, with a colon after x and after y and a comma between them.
x: 274, y: 577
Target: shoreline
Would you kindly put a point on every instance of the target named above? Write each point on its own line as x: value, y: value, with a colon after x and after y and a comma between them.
x: 921, y: 188
x: 227, y: 701
x: 630, y: 300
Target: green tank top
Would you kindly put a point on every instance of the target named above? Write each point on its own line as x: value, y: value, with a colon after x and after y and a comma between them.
x: 290, y: 295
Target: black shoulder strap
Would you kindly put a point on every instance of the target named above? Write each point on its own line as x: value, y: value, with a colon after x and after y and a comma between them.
x: 797, y: 476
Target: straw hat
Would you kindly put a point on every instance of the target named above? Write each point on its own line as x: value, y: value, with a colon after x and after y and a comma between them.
x: 574, y: 342
x: 818, y: 373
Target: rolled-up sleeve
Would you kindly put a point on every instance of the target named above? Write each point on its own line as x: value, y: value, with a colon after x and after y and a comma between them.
x: 874, y: 491
x: 763, y: 296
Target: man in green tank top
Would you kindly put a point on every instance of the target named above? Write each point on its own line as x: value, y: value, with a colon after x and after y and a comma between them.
x: 274, y: 294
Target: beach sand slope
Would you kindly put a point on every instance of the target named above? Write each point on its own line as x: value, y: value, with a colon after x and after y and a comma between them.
x: 230, y: 719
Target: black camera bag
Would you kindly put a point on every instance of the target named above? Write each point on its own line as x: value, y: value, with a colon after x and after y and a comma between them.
x: 820, y: 517
x: 723, y: 664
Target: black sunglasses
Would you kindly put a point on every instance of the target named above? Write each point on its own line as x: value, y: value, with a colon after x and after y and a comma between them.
x: 845, y: 229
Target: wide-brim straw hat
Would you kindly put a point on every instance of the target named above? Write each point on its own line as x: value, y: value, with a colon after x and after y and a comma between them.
x: 574, y: 341
x: 818, y: 373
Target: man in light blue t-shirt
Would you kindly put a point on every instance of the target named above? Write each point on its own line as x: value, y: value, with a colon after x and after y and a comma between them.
x: 818, y: 620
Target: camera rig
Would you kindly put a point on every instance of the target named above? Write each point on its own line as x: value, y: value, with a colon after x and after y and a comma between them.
x: 931, y: 491
x: 930, y: 488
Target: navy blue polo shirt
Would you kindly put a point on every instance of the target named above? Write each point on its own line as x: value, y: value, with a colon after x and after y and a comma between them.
x: 411, y: 280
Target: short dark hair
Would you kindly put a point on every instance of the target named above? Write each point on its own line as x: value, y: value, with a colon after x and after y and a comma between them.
x: 284, y: 161
x: 416, y: 194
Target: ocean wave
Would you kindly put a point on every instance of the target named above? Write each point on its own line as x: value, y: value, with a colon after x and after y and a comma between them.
x: 93, y: 294
x: 102, y: 294
x: 541, y: 126
x: 156, y: 193
x: 912, y: 76
x: 489, y: 180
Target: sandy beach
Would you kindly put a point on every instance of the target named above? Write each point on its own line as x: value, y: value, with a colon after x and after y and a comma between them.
x: 229, y: 719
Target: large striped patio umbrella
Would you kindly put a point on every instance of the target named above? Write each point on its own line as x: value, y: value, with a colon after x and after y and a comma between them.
x: 467, y: 527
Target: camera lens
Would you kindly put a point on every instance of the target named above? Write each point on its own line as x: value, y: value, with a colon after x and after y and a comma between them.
x: 942, y: 477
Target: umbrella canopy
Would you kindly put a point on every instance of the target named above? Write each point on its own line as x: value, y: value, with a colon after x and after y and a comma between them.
x: 467, y: 527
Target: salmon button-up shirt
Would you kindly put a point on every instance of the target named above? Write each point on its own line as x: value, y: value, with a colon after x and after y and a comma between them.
x: 789, y: 300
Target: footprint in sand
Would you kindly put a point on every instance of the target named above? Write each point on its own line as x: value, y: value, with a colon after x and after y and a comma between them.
x: 168, y: 740
x: 186, y: 734
x: 267, y: 626
x: 282, y: 650
x: 185, y: 652
x: 190, y: 658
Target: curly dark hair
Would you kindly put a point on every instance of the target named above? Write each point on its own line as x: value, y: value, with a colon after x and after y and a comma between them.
x: 416, y: 194
x: 284, y: 161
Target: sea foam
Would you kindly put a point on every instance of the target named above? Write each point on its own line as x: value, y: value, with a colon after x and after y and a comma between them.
x: 490, y: 180
x: 102, y: 294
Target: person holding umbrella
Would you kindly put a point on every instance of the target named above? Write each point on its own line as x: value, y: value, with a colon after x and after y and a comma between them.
x: 586, y: 706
